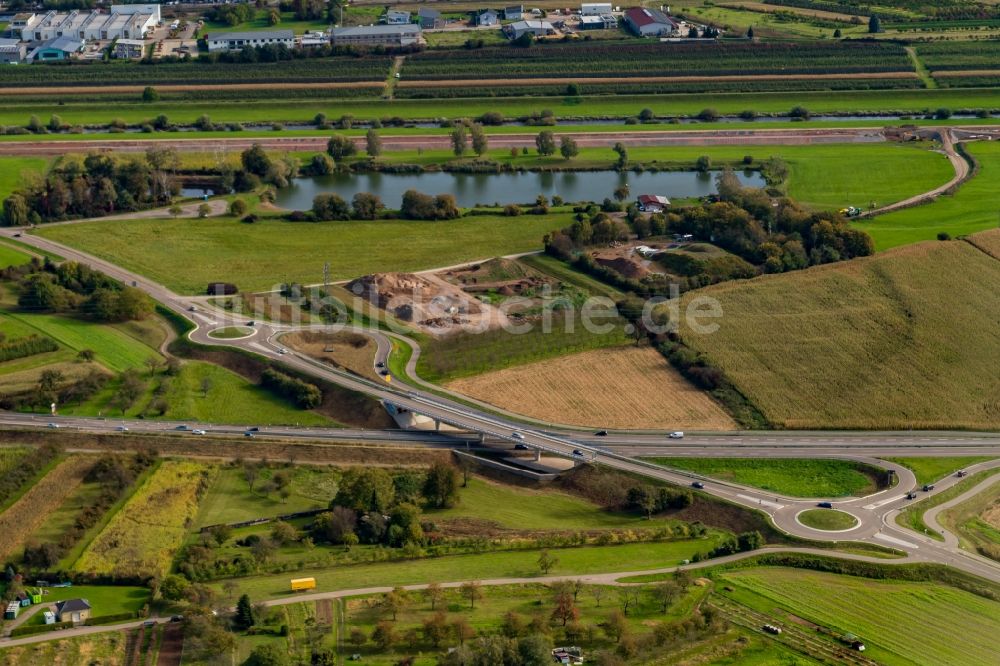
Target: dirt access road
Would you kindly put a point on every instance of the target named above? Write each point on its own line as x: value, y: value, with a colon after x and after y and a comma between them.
x: 443, y: 141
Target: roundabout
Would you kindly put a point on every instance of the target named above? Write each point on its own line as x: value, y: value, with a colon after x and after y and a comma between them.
x: 232, y: 332
x: 827, y: 520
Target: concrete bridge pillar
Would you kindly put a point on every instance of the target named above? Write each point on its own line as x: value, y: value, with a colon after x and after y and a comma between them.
x: 538, y: 455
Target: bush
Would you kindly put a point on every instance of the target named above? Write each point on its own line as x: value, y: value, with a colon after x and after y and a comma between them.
x: 943, y: 236
x: 31, y: 629
x: 303, y: 394
x: 27, y: 346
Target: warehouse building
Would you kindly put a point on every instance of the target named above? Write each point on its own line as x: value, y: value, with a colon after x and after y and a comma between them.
x: 235, y: 41
x: 647, y: 22
x: 376, y: 35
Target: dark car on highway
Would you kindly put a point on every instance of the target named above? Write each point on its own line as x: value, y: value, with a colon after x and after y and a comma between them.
x: 929, y: 487
x: 825, y: 505
x: 601, y: 433
x: 520, y: 447
x: 698, y: 484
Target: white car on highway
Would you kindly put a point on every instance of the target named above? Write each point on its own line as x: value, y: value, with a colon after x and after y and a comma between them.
x: 677, y: 434
x: 517, y: 435
x: 198, y: 432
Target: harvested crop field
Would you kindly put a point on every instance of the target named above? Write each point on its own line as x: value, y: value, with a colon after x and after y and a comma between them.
x: 19, y: 521
x: 618, y: 387
x: 905, y: 339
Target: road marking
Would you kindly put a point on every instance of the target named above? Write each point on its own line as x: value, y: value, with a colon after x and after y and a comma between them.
x: 883, y: 502
x: 762, y: 502
x: 898, y: 542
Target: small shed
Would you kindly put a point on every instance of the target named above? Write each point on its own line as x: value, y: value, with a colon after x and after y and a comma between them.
x: 13, y: 608
x: 36, y: 596
x: 49, y: 616
x: 73, y: 610
x: 23, y: 599
x: 487, y: 17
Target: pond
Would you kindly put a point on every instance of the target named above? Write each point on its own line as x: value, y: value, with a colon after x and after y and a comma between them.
x: 504, y: 188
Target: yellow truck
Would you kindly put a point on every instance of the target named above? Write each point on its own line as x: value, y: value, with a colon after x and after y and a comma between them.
x: 300, y: 584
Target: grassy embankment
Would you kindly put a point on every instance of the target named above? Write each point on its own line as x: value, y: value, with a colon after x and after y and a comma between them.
x: 929, y: 470
x: 786, y: 476
x: 829, y: 520
x: 913, y: 515
x: 869, y: 343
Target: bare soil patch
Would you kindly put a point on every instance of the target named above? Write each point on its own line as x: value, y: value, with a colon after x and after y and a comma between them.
x: 171, y: 645
x: 349, y: 351
x: 621, y: 387
x: 991, y: 516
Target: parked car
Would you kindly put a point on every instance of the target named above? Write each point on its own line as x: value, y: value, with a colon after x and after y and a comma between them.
x: 676, y: 435
x: 698, y: 484
x: 825, y: 505
x: 929, y: 487
x: 601, y: 433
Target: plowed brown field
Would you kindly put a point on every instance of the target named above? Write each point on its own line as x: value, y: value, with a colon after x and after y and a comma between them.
x: 622, y: 387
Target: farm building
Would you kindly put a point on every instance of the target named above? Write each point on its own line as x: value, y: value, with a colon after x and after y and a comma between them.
x: 652, y: 203
x: 430, y: 19
x: 395, y: 17
x: 73, y: 610
x: 377, y: 35
x: 234, y: 41
x: 60, y: 48
x: 129, y: 48
x: 486, y: 17
x: 602, y: 22
x: 536, y: 28
x: 12, y: 51
x: 595, y: 8
x: 513, y: 13
x: 649, y: 22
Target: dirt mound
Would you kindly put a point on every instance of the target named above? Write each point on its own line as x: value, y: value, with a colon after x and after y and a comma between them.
x: 623, y: 266
x: 425, y: 301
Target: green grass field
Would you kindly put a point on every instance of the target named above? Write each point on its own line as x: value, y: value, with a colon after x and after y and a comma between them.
x: 972, y: 208
x: 105, y: 599
x: 260, y: 22
x: 259, y: 256
x: 871, y: 343
x: 13, y: 171
x: 929, y: 470
x: 229, y: 500
x: 11, y: 256
x: 827, y: 519
x: 899, y: 622
x: 792, y: 477
x: 590, y: 559
x: 515, y: 508
x: 261, y: 106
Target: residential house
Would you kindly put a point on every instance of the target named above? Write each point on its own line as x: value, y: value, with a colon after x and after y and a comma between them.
x: 595, y: 8
x: 129, y: 49
x: 73, y: 610
x: 646, y: 22
x: 487, y: 17
x: 536, y: 28
x: 60, y: 48
x: 395, y: 17
x: 235, y: 41
x: 376, y: 35
x: 513, y: 13
x: 652, y: 203
x: 430, y: 19
x: 12, y: 51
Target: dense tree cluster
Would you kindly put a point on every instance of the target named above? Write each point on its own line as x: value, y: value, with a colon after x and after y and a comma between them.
x: 302, y: 394
x: 73, y: 287
x: 98, y: 185
x: 418, y: 206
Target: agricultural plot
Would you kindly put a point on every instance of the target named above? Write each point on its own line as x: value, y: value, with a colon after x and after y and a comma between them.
x: 140, y: 540
x: 616, y: 387
x: 32, y: 509
x: 881, y: 613
x: 107, y: 649
x: 257, y: 257
x: 628, y: 60
x: 311, y: 70
x: 869, y: 343
x: 12, y: 173
x: 969, y: 210
x: 792, y: 477
x: 230, y: 500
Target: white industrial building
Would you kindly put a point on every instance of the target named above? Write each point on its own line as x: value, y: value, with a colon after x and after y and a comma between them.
x: 235, y: 41
x: 377, y: 35
x: 122, y: 22
x: 595, y: 8
x: 536, y: 28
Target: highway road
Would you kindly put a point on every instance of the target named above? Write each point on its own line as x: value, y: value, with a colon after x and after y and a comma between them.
x: 874, y: 513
